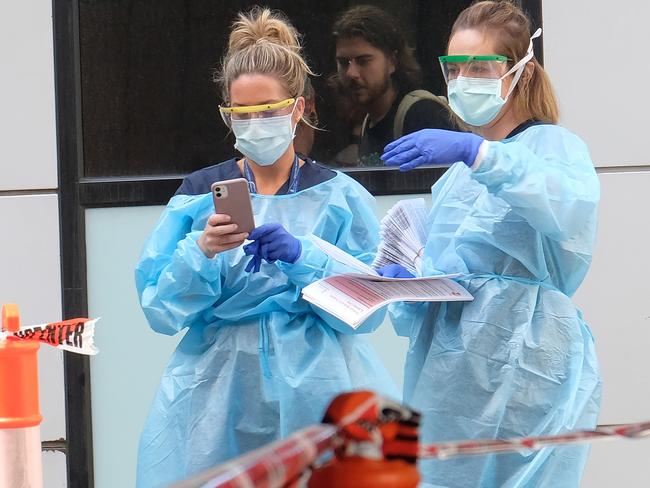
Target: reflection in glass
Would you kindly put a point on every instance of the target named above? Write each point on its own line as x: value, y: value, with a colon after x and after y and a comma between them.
x: 149, y: 102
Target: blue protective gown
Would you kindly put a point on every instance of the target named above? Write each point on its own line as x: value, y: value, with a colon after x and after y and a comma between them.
x: 257, y: 361
x: 519, y: 360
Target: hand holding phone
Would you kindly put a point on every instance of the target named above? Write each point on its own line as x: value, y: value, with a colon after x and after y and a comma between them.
x: 220, y: 235
x: 232, y: 221
x: 231, y: 197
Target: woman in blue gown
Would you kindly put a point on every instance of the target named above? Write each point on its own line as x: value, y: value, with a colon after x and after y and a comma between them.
x: 516, y: 215
x: 257, y: 361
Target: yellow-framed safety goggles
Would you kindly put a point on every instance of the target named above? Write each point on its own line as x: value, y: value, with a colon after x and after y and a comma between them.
x: 255, y: 111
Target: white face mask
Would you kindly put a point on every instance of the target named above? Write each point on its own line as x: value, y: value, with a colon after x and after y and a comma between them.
x: 477, y: 101
x: 264, y: 140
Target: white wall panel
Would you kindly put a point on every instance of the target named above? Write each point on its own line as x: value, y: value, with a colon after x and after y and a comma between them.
x: 592, y: 52
x: 126, y: 372
x: 54, y: 470
x: 27, y: 120
x: 31, y: 277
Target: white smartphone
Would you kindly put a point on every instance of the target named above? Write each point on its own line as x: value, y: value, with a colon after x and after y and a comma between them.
x: 231, y: 197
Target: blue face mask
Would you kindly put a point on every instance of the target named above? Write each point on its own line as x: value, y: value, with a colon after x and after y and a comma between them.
x: 477, y: 101
x: 264, y: 140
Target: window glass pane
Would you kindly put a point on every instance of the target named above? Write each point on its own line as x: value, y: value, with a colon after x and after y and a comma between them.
x: 149, y: 105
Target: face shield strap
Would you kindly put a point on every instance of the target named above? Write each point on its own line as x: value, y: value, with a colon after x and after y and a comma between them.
x: 521, y: 64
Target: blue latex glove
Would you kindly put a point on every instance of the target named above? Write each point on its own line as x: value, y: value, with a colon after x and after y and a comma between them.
x: 256, y: 260
x: 394, y: 271
x: 271, y: 242
x: 432, y: 146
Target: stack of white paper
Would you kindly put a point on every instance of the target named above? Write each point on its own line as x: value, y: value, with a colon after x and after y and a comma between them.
x: 403, y: 234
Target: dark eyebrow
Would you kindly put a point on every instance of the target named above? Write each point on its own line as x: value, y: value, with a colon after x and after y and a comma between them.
x: 361, y: 57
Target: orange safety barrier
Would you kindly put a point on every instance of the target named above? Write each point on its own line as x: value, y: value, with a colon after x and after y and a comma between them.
x: 361, y: 472
x: 20, y: 416
x: 379, y: 444
x: 19, y: 406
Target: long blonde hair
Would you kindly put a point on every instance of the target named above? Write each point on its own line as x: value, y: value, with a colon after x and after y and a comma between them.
x: 509, y: 27
x: 264, y: 42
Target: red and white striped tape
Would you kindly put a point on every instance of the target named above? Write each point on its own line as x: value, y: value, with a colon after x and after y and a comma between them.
x: 283, y: 463
x: 448, y: 450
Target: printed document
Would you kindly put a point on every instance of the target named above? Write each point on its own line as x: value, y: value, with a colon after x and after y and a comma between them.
x: 353, y: 297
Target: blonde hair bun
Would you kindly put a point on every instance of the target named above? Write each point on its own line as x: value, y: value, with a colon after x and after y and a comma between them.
x: 262, y: 25
x: 264, y: 42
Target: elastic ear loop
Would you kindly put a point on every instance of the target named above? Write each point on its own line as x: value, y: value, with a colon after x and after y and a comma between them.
x: 295, y: 127
x: 226, y: 119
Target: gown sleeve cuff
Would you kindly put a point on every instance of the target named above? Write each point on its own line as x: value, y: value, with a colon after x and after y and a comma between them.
x: 310, y: 265
x: 192, y: 256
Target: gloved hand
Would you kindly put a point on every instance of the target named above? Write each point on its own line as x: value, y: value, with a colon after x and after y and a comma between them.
x: 394, y: 271
x: 432, y: 146
x: 272, y: 242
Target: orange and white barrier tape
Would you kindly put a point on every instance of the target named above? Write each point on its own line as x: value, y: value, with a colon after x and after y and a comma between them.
x: 20, y: 417
x: 74, y: 335
x: 448, y: 450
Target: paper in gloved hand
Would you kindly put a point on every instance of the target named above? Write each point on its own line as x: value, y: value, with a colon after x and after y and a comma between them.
x: 403, y: 235
x: 353, y: 297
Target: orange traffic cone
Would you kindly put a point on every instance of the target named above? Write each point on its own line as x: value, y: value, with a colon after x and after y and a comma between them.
x: 20, y: 418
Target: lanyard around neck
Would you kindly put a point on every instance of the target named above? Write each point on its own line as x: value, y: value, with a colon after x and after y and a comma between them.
x: 293, y: 179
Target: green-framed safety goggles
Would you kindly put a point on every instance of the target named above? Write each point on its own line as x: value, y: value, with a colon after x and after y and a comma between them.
x: 473, y: 66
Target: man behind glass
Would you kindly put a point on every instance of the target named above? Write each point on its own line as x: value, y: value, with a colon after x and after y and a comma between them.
x: 379, y: 72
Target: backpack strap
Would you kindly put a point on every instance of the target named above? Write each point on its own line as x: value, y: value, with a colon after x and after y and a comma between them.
x: 364, y: 126
x: 409, y: 99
